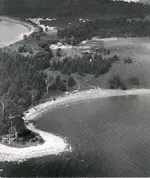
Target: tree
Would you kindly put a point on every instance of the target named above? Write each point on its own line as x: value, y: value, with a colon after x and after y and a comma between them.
x: 4, y: 100
x: 59, y: 84
x: 115, y: 58
x: 58, y: 80
x: 128, y: 60
x: 108, y: 52
x: 12, y: 130
x: 22, y: 49
x: 48, y: 81
x: 134, y: 81
x: 33, y: 94
x: 71, y: 82
x: 116, y: 83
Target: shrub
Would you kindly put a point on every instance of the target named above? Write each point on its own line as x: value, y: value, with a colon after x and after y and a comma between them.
x: 53, y: 86
x: 116, y: 83
x: 71, y: 82
x: 115, y: 58
x: 62, y: 87
x: 22, y: 49
x: 134, y: 80
x: 128, y: 61
x: 59, y: 84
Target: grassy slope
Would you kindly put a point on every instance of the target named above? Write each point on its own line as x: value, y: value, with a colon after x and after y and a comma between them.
x: 136, y: 48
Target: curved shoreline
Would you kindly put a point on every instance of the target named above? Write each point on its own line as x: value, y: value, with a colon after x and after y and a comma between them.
x: 31, y: 29
x: 53, y: 144
x: 37, y: 111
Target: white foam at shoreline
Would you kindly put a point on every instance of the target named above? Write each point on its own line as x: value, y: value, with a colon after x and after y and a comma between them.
x: 38, y: 110
x: 54, y: 144
x: 30, y: 27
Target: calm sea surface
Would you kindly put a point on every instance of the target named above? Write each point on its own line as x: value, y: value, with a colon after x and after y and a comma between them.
x: 109, y: 137
x: 10, y: 32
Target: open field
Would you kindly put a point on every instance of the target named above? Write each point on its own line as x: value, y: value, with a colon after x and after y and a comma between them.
x: 138, y: 49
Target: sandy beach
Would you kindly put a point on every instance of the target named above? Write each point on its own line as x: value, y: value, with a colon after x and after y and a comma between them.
x: 54, y: 144
x: 37, y: 111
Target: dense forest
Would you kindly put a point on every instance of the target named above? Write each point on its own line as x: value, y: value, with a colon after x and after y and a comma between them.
x: 20, y: 79
x: 22, y: 83
x: 71, y: 8
x: 104, y: 29
x: 88, y: 64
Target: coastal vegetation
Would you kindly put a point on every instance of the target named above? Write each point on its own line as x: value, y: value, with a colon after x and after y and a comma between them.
x: 128, y: 60
x: 88, y: 64
x: 71, y: 82
x: 105, y: 28
x: 22, y: 85
x: 117, y: 83
x: 134, y: 81
x: 19, y: 76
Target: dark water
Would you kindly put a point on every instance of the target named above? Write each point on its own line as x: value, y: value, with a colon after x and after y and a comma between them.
x: 109, y: 137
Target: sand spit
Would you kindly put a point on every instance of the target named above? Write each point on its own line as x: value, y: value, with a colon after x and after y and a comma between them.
x: 54, y: 144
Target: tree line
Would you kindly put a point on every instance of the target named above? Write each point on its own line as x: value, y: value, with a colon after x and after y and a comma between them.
x: 22, y: 84
x: 71, y: 8
x: 88, y: 64
x: 105, y: 29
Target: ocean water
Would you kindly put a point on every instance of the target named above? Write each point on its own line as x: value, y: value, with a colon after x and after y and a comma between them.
x: 109, y: 137
x: 10, y: 32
